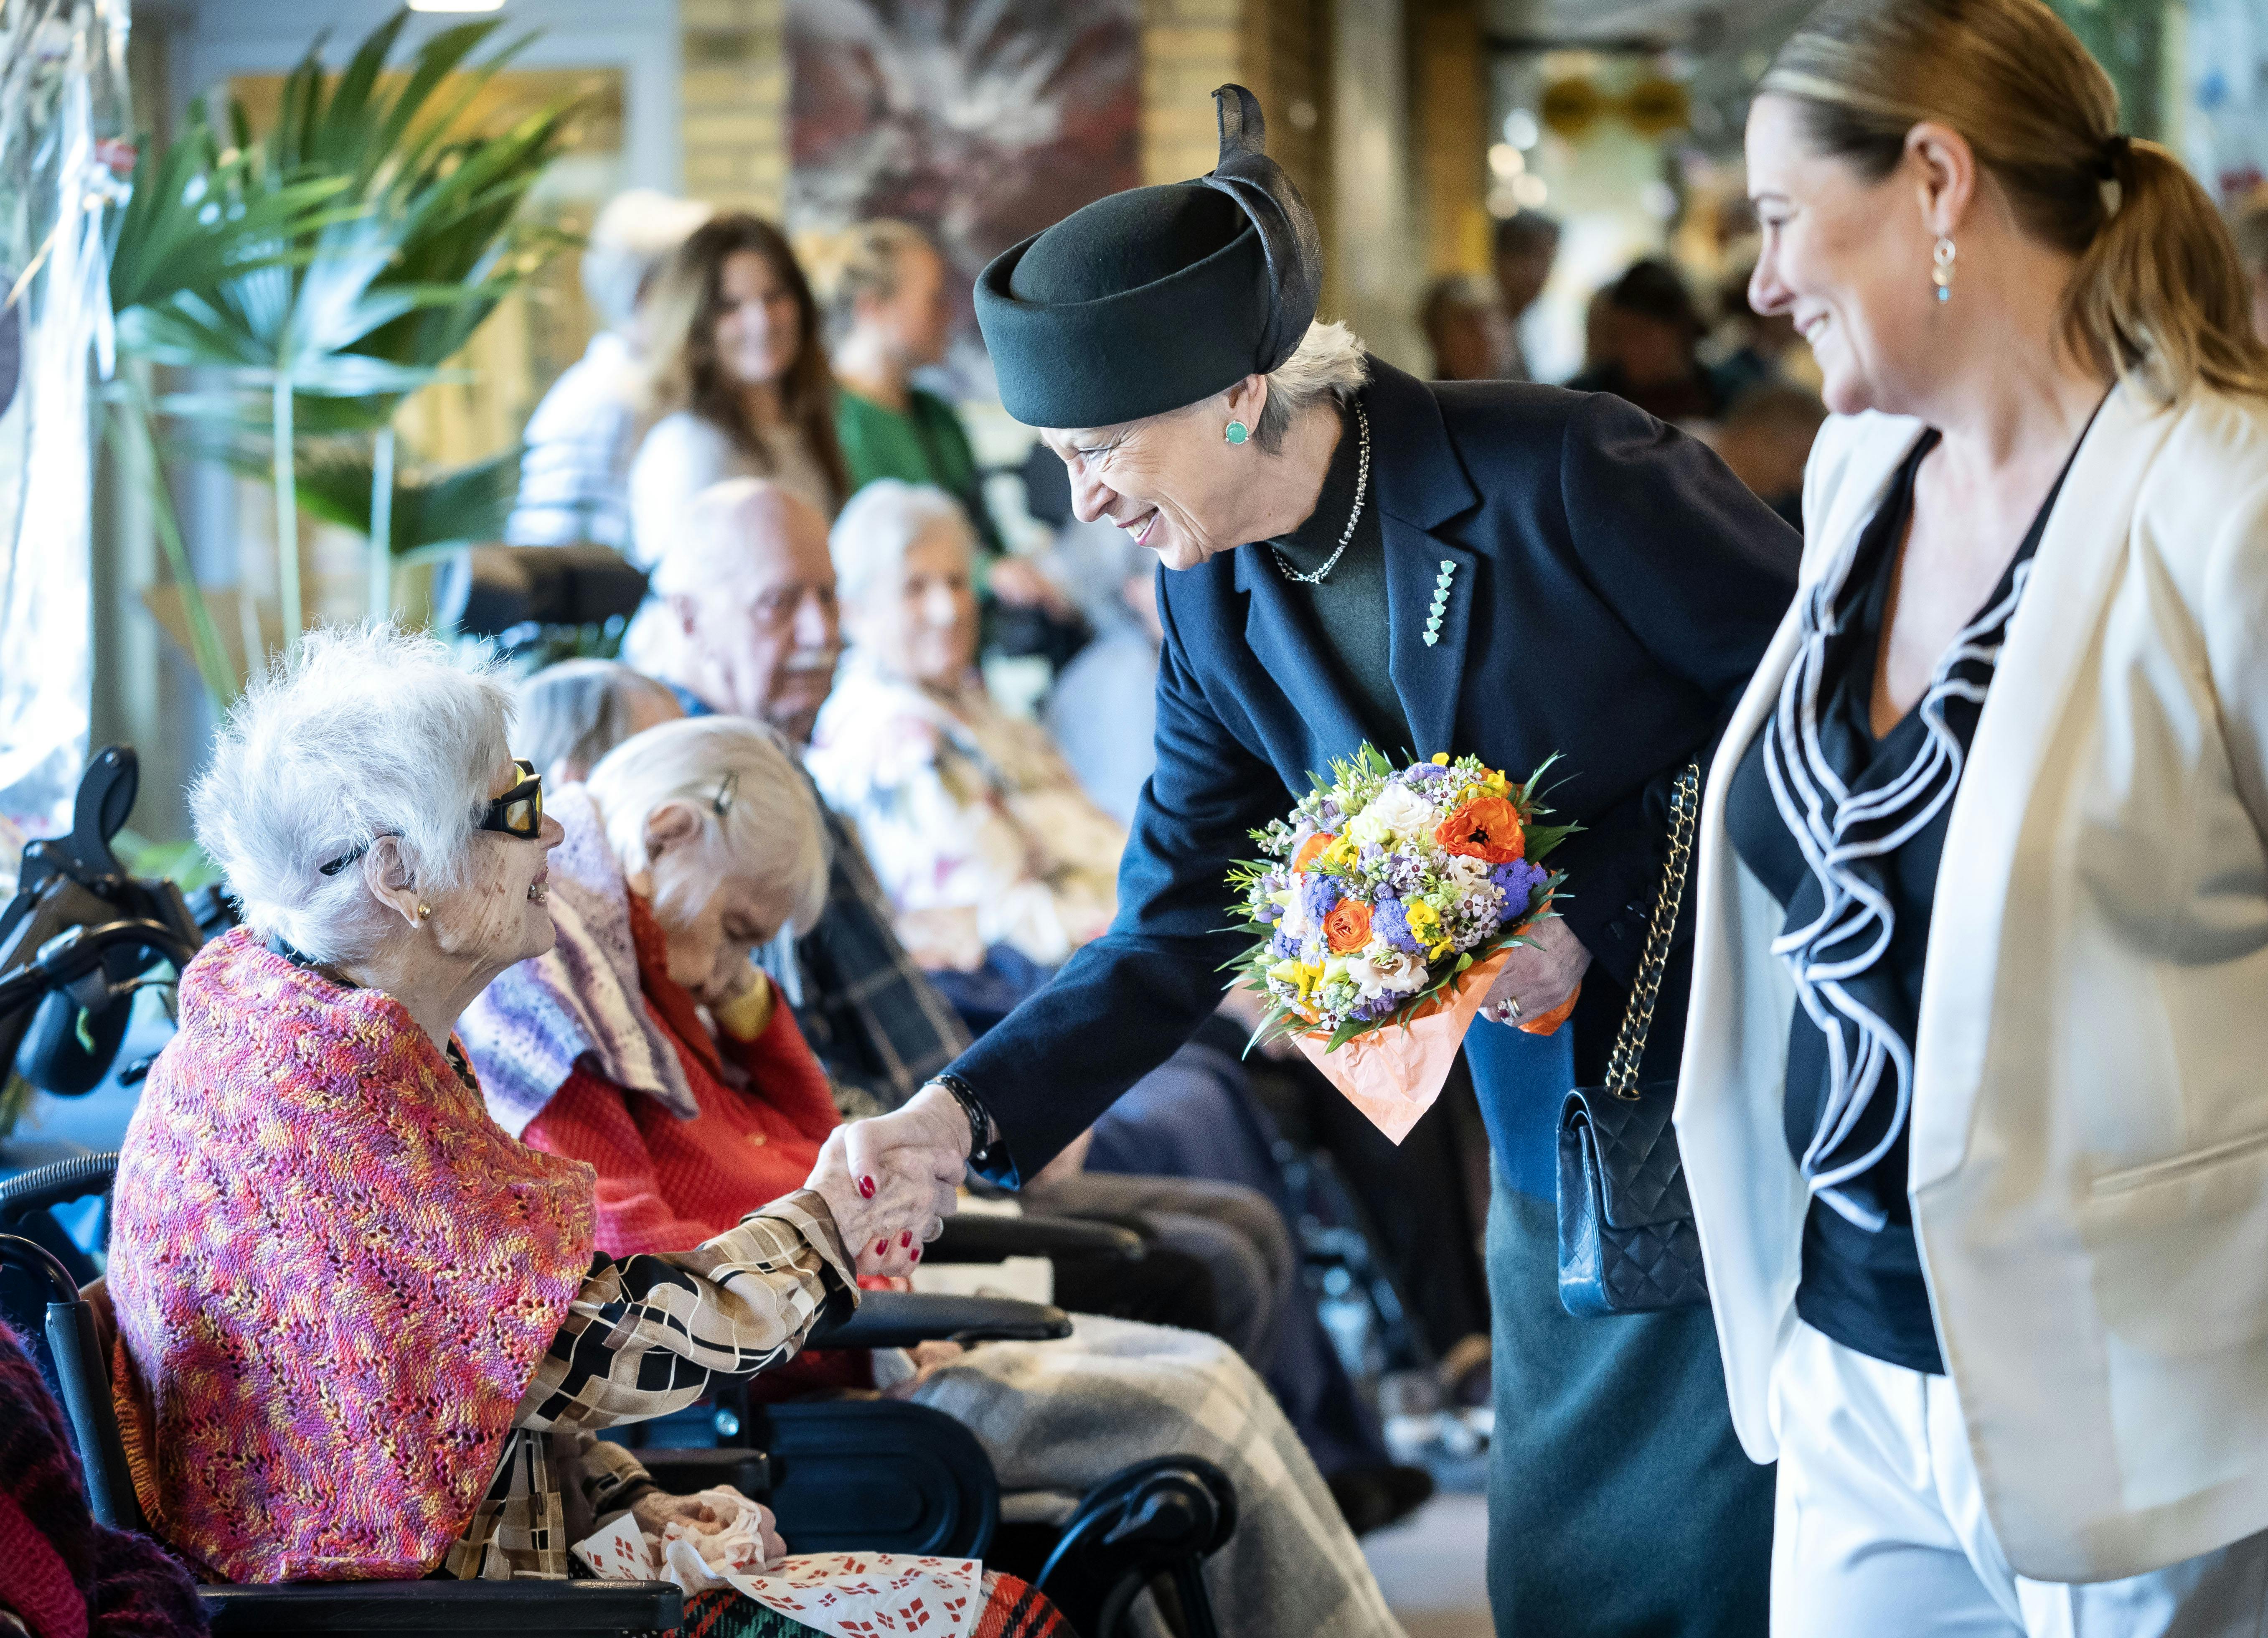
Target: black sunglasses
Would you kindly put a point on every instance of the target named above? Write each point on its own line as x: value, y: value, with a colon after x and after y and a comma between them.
x: 518, y: 812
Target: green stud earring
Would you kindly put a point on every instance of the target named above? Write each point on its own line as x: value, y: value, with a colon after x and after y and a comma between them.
x: 1237, y: 432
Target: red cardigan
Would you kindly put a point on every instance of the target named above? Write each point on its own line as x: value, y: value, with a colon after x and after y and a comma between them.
x: 665, y: 1183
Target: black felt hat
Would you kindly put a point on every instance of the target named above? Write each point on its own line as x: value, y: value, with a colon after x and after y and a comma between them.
x: 1155, y: 298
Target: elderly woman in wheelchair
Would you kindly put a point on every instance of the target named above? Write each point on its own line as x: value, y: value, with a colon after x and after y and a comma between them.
x: 645, y: 1044
x: 363, y: 1333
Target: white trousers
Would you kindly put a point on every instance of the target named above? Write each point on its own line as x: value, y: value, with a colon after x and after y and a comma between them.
x: 1879, y: 1529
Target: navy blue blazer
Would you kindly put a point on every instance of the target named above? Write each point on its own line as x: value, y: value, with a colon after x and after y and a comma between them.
x: 1614, y: 588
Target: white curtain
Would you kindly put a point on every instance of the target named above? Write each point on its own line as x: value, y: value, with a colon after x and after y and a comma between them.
x: 64, y: 162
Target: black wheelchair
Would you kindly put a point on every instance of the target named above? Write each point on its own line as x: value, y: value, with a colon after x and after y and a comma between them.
x: 82, y: 935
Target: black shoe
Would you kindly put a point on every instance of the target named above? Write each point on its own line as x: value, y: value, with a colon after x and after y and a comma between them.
x: 1372, y: 1498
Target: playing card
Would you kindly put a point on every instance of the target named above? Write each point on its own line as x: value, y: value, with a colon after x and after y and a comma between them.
x: 872, y: 1595
x: 618, y: 1552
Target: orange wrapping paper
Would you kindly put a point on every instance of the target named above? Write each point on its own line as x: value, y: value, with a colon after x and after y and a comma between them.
x: 1393, y: 1075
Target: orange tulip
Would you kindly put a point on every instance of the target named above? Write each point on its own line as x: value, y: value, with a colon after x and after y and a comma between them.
x: 1311, y: 846
x: 1346, y: 929
x: 1486, y: 828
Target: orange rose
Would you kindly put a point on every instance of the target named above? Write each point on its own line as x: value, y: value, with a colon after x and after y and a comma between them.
x: 1311, y: 846
x: 1486, y: 828
x: 1346, y: 929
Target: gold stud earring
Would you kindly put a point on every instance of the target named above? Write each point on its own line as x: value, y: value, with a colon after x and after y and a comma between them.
x: 424, y: 911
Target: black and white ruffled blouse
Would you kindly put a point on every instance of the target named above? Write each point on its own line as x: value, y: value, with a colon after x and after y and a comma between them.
x: 1847, y: 832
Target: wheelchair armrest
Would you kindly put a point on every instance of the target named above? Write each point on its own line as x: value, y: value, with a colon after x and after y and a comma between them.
x: 684, y: 1472
x: 487, y: 1608
x: 899, y: 1319
x: 986, y: 1239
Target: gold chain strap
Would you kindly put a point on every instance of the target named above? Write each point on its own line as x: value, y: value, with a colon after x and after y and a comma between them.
x: 1638, y: 1019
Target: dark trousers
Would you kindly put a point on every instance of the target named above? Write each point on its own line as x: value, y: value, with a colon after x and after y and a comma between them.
x: 1620, y: 1503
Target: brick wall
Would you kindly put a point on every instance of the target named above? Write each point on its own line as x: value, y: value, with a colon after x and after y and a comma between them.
x: 1189, y: 47
x: 734, y: 119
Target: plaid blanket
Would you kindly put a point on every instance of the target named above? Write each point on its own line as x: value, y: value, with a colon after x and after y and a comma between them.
x: 1054, y: 1415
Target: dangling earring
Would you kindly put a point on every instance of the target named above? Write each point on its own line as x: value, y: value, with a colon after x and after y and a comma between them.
x: 1236, y: 431
x: 1940, y: 272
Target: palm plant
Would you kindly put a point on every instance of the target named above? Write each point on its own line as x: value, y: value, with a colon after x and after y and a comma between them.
x: 322, y: 272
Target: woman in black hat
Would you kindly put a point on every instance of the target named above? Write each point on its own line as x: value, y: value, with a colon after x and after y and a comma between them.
x: 1481, y: 567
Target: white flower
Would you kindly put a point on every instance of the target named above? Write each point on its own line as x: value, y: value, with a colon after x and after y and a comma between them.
x: 1464, y: 873
x: 1382, y: 968
x: 1295, y: 913
x: 1397, y: 811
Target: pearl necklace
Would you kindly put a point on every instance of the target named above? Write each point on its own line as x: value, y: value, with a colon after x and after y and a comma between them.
x: 1361, y: 488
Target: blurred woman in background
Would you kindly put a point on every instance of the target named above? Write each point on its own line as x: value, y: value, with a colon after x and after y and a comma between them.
x: 737, y: 380
x: 975, y: 824
x: 881, y: 285
x: 1650, y: 340
x: 883, y: 289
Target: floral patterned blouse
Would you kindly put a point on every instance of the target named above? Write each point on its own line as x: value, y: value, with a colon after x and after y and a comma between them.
x: 960, y: 806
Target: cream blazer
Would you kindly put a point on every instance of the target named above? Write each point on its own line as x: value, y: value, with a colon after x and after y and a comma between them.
x: 2090, y: 1116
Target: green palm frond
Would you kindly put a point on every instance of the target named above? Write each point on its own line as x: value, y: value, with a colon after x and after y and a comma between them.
x: 466, y: 505
x: 331, y: 265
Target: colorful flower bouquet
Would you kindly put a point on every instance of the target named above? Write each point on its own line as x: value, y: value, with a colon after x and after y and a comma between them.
x: 1386, y: 904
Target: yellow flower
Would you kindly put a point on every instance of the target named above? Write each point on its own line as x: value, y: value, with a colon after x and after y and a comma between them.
x: 1424, y: 921
x: 1440, y: 759
x: 1340, y: 855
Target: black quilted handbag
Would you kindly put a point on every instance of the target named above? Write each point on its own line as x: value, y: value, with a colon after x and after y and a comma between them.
x: 1627, y: 1243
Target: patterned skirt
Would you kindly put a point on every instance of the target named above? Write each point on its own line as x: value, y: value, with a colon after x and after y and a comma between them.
x: 1013, y: 1609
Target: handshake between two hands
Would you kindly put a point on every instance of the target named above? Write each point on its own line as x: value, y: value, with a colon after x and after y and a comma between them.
x: 891, y: 1182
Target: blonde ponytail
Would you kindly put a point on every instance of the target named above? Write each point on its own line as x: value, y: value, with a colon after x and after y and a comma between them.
x: 2159, y: 296
x: 852, y: 263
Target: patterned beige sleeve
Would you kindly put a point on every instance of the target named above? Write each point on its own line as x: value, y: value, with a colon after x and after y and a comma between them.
x: 612, y: 1477
x: 653, y: 1333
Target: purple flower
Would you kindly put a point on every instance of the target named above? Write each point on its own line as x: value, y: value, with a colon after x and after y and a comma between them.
x: 1424, y: 772
x: 1283, y: 948
x: 1520, y: 879
x: 1317, y: 895
x: 1388, y: 922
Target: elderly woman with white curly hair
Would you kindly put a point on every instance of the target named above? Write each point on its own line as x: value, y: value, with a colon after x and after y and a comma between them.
x: 367, y: 1334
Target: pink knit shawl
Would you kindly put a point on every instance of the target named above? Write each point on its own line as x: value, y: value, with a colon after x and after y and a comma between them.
x: 333, y: 1277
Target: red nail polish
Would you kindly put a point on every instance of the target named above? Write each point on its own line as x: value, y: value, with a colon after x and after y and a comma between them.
x: 882, y: 1248
x: 865, y: 1188
x: 917, y: 1254
x: 906, y: 1239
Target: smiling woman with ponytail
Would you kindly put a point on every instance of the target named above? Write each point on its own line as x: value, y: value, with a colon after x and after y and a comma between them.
x: 1971, y: 1113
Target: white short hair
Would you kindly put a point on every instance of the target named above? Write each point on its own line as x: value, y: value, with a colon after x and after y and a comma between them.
x: 880, y: 523
x: 1328, y: 360
x: 365, y: 732
x: 769, y: 827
